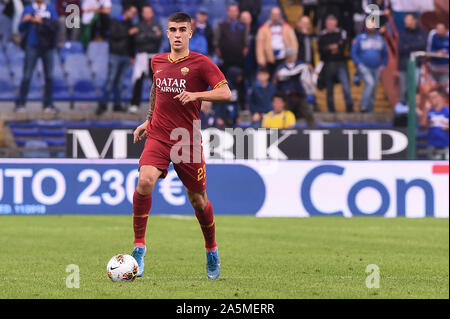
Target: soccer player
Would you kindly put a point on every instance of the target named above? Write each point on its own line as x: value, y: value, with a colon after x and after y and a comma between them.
x: 180, y: 83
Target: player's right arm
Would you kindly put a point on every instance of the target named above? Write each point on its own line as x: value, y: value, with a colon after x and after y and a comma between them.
x: 141, y: 131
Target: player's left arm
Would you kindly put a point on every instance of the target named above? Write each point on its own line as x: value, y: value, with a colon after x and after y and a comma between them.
x: 221, y: 93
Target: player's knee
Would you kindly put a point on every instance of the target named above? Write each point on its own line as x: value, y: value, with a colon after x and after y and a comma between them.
x: 145, y: 185
x: 198, y: 202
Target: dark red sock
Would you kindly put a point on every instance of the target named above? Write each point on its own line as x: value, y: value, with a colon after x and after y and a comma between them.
x: 141, y: 209
x: 206, y: 220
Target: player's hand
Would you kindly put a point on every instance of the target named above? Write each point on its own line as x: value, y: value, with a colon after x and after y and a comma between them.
x: 186, y: 97
x: 256, y: 117
x: 37, y: 19
x: 133, y: 31
x: 27, y: 17
x: 140, y: 132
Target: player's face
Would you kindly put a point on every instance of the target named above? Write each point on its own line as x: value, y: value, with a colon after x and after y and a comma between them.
x: 147, y: 13
x: 233, y: 12
x: 304, y: 24
x: 179, y: 34
x: 410, y: 22
x: 441, y: 30
x: 331, y: 24
x: 435, y: 99
x: 278, y: 104
x: 275, y: 16
x: 246, y: 18
x: 263, y: 76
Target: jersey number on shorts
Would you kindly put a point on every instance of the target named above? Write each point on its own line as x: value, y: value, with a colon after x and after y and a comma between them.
x: 201, y: 173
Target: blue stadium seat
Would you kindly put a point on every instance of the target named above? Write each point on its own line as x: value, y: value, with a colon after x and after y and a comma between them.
x: 16, y: 71
x: 28, y: 124
x: 6, y: 86
x: 146, y: 87
x: 116, y: 10
x: 272, y: 3
x: 188, y: 6
x: 6, y: 89
x: 58, y: 72
x: 355, y: 125
x: 71, y: 47
x: 328, y: 125
x: 56, y: 124
x: 264, y: 14
x: 216, y: 9
x: 53, y: 132
x: 29, y: 132
x: 162, y: 3
x: 80, y: 77
x: 244, y: 125
x: 14, y: 53
x: 39, y: 146
x: 113, y: 124
x: 99, y: 65
x: 21, y: 142
x: 129, y: 124
x: 55, y: 142
x: 300, y: 125
x: 5, y: 25
x: 3, y: 60
x: 77, y: 124
x: 421, y: 145
x: 381, y: 125
x: 60, y: 86
x: 61, y: 91
x: 421, y: 135
x: 76, y: 66
x: 97, y: 50
x: 15, y: 56
x: 84, y: 90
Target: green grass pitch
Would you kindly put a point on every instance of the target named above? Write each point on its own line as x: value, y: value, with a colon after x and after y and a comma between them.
x: 261, y: 257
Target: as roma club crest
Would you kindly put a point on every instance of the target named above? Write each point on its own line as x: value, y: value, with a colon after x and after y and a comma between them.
x: 184, y: 70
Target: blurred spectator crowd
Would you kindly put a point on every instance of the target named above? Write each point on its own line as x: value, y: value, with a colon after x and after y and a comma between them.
x: 100, y: 50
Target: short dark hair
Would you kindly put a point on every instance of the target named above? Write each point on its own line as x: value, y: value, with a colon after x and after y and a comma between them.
x: 180, y: 17
x: 331, y: 16
x: 439, y: 90
x: 279, y: 95
x: 146, y: 5
x: 412, y: 14
x: 263, y: 70
x: 128, y: 7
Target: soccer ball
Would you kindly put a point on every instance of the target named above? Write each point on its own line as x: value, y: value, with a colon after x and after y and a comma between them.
x: 122, y: 267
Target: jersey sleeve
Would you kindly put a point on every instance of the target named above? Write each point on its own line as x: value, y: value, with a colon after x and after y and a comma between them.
x: 152, y: 67
x: 212, y: 74
x: 290, y: 119
x: 265, y: 121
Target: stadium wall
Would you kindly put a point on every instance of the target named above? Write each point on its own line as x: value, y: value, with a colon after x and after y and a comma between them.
x: 240, y: 187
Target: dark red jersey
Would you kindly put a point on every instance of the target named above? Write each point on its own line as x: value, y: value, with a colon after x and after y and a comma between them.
x: 192, y: 73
